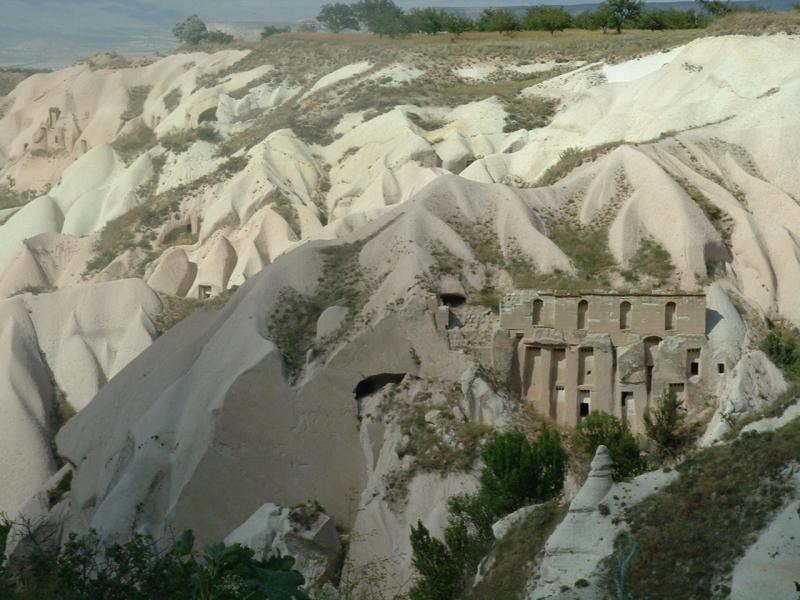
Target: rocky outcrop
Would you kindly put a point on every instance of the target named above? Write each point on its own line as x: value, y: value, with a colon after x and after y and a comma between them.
x: 753, y: 384
x: 303, y: 532
x: 587, y: 534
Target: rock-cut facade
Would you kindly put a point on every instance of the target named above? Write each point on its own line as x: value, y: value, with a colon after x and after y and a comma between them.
x: 575, y: 353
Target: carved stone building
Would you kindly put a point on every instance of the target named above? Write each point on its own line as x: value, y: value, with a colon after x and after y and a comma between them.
x: 580, y: 352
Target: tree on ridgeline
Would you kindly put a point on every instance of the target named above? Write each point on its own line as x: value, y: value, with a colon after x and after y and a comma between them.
x: 621, y: 12
x: 338, y: 17
x: 428, y: 20
x: 495, y: 19
x: 547, y: 18
x: 382, y: 17
x: 457, y: 25
x: 192, y: 30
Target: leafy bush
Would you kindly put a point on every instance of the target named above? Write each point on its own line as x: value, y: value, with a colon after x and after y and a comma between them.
x: 664, y: 425
x: 219, y: 37
x: 270, y: 30
x: 548, y: 18
x: 519, y: 473
x: 87, y: 568
x: 516, y: 472
x: 191, y: 30
x: 651, y: 259
x: 782, y: 346
x: 601, y: 428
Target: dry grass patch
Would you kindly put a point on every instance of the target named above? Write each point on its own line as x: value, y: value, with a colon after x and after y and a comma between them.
x: 756, y: 23
x: 694, y: 531
x: 514, y: 558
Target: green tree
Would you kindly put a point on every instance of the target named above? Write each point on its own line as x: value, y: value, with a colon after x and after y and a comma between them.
x: 518, y: 472
x: 428, y: 20
x: 601, y: 428
x: 494, y: 19
x: 716, y: 8
x: 457, y: 25
x: 190, y: 31
x: 664, y: 424
x: 547, y: 18
x: 589, y: 19
x: 620, y: 12
x: 338, y: 17
x: 439, y: 572
x: 382, y: 17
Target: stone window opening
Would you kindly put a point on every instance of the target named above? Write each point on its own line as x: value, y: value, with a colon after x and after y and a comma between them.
x: 624, y: 315
x: 204, y: 292
x: 721, y: 368
x: 537, y: 311
x: 452, y: 299
x: 583, y: 308
x: 584, y: 404
x: 669, y: 316
x: 678, y: 389
x: 626, y: 399
x: 693, y: 358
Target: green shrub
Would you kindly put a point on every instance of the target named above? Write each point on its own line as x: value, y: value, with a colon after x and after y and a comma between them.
x: 439, y: 572
x: 516, y: 472
x: 782, y: 346
x: 219, y: 37
x: 652, y: 260
x: 519, y: 473
x: 137, y: 96
x: 87, y: 568
x: 664, y: 424
x: 601, y: 428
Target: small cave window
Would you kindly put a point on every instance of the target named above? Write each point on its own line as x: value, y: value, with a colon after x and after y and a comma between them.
x: 373, y: 383
x: 204, y: 292
x: 669, y: 316
x: 721, y: 368
x: 537, y: 311
x: 583, y: 308
x: 625, y: 315
x: 693, y: 358
x: 208, y: 115
x: 627, y: 398
x: 452, y: 299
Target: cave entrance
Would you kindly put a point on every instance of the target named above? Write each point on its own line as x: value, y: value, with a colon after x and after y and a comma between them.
x: 207, y: 116
x: 452, y: 299
x: 373, y: 383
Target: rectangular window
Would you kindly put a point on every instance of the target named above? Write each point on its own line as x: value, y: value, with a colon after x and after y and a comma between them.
x: 627, y: 398
x: 693, y: 358
x: 204, y: 292
x: 721, y: 368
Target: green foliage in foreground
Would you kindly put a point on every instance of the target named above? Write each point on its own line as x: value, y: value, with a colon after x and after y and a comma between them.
x: 86, y: 568
x: 600, y: 428
x: 517, y: 473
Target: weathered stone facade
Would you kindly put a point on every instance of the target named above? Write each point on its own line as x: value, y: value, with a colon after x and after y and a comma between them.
x: 580, y: 352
